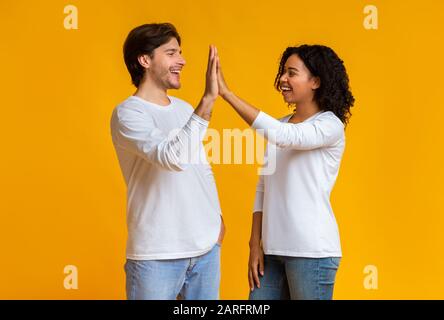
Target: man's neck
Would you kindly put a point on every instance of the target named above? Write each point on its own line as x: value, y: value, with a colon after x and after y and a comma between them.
x: 150, y: 92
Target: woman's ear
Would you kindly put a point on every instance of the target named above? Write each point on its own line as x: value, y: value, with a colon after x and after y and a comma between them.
x: 316, y: 83
x: 144, y: 60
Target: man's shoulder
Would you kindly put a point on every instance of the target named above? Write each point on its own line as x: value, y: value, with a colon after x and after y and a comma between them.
x: 181, y: 102
x: 134, y: 105
x: 129, y: 108
x: 130, y: 103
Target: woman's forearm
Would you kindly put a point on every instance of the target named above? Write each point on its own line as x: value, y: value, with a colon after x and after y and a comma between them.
x: 256, y: 229
x: 243, y: 108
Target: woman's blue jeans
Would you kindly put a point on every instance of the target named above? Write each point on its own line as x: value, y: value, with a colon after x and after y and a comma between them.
x: 296, y: 278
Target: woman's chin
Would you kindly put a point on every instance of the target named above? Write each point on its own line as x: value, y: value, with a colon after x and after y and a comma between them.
x: 289, y: 100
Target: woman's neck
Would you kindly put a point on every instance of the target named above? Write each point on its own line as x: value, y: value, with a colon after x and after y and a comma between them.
x: 305, y: 110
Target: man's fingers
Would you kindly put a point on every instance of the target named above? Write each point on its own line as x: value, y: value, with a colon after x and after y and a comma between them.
x: 214, y: 64
x: 210, y: 58
x: 211, y: 52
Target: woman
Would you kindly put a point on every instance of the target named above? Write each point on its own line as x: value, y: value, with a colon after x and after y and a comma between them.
x: 294, y: 244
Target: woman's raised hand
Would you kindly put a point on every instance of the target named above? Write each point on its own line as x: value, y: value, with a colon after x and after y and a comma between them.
x: 223, y: 88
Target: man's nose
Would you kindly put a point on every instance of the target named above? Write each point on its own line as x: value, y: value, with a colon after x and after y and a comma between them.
x: 182, y: 61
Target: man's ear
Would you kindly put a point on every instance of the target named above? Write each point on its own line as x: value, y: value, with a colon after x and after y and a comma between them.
x: 144, y: 60
x: 316, y: 83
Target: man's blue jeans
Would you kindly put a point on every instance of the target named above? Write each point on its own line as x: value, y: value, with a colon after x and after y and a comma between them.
x: 196, y: 278
x: 296, y: 278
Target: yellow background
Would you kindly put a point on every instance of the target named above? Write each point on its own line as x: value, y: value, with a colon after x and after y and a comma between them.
x: 62, y: 193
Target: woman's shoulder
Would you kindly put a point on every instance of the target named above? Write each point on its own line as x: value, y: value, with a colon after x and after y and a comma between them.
x: 285, y: 118
x: 329, y: 115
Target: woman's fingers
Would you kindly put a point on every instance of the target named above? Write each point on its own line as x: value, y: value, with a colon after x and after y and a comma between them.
x: 219, y: 70
x: 254, y: 268
x: 256, y: 277
x: 220, y: 77
x: 261, y: 265
x: 250, y: 279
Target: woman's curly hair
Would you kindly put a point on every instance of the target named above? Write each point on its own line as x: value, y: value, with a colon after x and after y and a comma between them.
x: 334, y: 93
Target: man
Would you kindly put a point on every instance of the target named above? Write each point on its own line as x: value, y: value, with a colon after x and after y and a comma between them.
x: 175, y: 227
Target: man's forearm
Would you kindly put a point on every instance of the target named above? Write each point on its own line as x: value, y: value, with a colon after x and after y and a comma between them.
x: 205, y: 108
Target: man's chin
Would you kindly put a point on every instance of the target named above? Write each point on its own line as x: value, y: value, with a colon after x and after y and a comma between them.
x: 174, y: 86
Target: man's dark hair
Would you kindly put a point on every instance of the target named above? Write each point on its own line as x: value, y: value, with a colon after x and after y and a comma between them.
x: 143, y: 40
